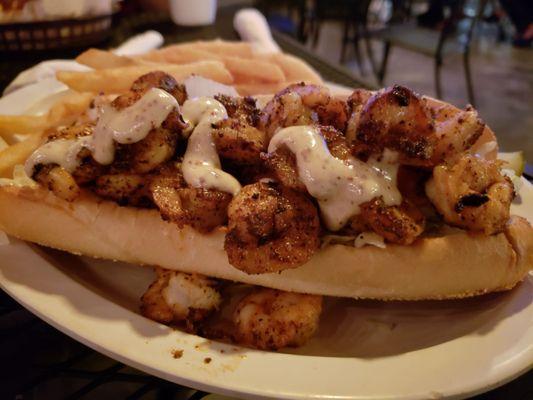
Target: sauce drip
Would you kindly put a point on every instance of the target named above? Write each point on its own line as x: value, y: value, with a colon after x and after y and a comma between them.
x: 129, y: 125
x: 63, y: 152
x: 340, y: 187
x: 201, y: 164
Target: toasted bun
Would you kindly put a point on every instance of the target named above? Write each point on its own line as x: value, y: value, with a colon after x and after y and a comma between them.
x: 453, y: 265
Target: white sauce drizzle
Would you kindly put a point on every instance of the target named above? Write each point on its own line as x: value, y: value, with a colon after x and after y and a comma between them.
x: 129, y: 125
x: 340, y: 187
x: 63, y: 152
x: 201, y: 164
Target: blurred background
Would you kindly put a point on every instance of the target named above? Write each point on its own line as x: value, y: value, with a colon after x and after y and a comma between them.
x: 462, y: 51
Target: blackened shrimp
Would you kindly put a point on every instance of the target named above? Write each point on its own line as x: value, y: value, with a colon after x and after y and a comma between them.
x: 396, y: 224
x: 160, y: 143
x: 398, y: 119
x: 270, y: 228
x: 456, y: 132
x: 57, y: 180
x: 124, y: 188
x: 237, y: 138
x: 88, y: 169
x: 301, y: 104
x: 203, y: 209
x: 271, y: 319
x: 177, y: 297
x: 472, y: 194
x: 282, y: 163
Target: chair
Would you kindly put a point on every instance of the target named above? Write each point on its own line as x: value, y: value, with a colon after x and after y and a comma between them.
x: 288, y: 24
x: 353, y: 15
x: 454, y: 37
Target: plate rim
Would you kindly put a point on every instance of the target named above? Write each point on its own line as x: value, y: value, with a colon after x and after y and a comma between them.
x: 520, y: 365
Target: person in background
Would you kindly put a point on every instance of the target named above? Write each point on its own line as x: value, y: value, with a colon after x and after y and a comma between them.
x: 520, y: 13
x: 434, y: 16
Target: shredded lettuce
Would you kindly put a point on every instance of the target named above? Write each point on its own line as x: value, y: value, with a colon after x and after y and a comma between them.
x: 363, y: 239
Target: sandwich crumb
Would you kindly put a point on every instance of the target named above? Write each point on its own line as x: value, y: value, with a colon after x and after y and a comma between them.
x: 207, y: 360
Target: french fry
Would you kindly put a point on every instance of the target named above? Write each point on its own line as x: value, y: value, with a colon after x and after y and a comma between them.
x: 217, y: 47
x: 65, y: 111
x: 294, y: 68
x: 101, y: 59
x: 252, y: 89
x: 253, y: 70
x: 17, y: 154
x: 184, y: 55
x: 119, y: 80
x: 3, y: 144
x: 21, y: 124
x: 68, y: 108
x: 242, y: 69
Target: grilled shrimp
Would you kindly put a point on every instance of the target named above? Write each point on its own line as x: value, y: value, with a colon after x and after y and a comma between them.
x: 395, y: 118
x: 271, y: 319
x: 355, y: 102
x: 179, y: 297
x: 203, y: 209
x: 88, y: 169
x: 155, y: 79
x: 160, y: 143
x: 472, y: 194
x: 270, y: 228
x: 237, y: 138
x: 57, y: 180
x: 146, y: 155
x: 301, y: 104
x: 455, y: 133
x: 396, y: 224
x: 282, y: 162
x: 124, y: 188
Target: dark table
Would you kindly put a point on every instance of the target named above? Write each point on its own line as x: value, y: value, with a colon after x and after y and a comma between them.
x: 40, y: 362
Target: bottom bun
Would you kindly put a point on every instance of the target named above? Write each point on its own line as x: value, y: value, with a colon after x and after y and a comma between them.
x: 453, y: 265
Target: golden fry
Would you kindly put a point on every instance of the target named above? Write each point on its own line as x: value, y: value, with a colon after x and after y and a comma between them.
x: 252, y: 89
x: 243, y: 70
x: 217, y: 47
x: 65, y: 111
x: 119, y: 80
x: 3, y: 144
x: 17, y: 154
x: 21, y: 124
x: 294, y: 68
x: 101, y: 59
x: 68, y: 108
x: 184, y: 55
x: 253, y: 70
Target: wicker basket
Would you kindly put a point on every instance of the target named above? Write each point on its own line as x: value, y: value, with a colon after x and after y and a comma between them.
x: 53, y: 35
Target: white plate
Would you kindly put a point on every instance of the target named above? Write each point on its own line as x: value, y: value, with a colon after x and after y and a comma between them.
x: 363, y: 350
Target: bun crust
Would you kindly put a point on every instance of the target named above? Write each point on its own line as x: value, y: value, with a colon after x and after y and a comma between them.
x: 454, y: 264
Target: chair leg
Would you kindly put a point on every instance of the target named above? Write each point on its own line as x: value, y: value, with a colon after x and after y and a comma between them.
x: 357, y: 48
x: 438, y: 89
x: 384, y: 61
x: 370, y: 53
x: 345, y: 39
x: 468, y: 76
x: 316, y: 33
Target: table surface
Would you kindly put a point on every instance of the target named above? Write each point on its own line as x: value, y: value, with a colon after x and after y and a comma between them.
x: 63, y: 377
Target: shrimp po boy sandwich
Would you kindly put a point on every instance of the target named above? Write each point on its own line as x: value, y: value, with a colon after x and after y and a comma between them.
x: 382, y: 195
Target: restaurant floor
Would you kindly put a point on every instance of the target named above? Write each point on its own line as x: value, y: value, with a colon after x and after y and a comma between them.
x: 502, y: 75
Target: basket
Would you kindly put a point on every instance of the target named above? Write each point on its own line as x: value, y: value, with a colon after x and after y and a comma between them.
x: 53, y: 35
